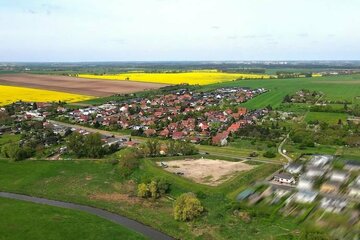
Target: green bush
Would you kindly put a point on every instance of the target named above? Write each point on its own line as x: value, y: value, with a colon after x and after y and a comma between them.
x: 187, y: 207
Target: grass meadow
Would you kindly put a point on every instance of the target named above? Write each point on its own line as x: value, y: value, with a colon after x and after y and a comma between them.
x: 89, y: 182
x: 335, y: 88
x: 24, y: 220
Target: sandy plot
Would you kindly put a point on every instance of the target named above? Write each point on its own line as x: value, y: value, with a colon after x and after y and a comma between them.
x: 90, y: 87
x: 206, y: 171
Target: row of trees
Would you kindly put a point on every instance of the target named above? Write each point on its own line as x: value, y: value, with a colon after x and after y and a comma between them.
x: 129, y: 158
x: 88, y: 146
x: 15, y: 152
x: 154, y: 189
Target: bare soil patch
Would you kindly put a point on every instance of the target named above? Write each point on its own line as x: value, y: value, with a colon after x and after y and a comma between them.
x: 115, y: 197
x: 90, y: 87
x: 207, y: 171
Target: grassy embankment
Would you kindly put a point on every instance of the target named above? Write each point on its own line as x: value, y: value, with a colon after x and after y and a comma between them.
x: 24, y: 220
x: 99, y: 184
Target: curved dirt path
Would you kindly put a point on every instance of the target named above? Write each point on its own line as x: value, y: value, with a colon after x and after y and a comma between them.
x: 121, y: 220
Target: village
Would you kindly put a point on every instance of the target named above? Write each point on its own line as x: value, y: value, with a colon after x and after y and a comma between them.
x: 197, y: 117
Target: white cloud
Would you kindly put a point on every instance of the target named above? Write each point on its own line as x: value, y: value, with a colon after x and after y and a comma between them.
x: 79, y: 30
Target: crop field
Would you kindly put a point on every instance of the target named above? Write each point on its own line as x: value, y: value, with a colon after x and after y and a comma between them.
x: 335, y: 88
x: 88, y: 87
x: 24, y: 220
x: 192, y: 78
x: 9, y: 94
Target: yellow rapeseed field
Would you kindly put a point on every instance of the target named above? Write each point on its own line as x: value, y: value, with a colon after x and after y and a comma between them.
x: 9, y: 94
x: 192, y: 78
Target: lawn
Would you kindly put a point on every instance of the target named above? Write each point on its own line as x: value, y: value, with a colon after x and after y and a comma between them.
x: 335, y: 88
x: 25, y: 220
x: 9, y: 138
x: 328, y: 117
x: 91, y: 182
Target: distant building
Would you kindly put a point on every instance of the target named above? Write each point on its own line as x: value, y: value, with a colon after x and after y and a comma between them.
x: 294, y: 168
x: 352, y: 166
x: 305, y: 183
x: 320, y: 160
x: 314, y: 172
x: 330, y: 187
x: 332, y: 204
x: 354, y: 191
x: 339, y: 176
x: 305, y: 196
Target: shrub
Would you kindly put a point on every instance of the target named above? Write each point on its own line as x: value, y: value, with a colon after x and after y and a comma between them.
x: 187, y: 207
x: 269, y: 154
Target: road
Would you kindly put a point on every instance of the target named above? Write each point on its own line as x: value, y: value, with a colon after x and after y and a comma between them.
x: 242, y: 158
x: 139, y: 139
x: 280, y: 150
x: 121, y: 220
x: 92, y: 130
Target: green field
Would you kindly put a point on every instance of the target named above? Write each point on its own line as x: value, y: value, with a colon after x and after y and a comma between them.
x: 85, y: 182
x: 335, y: 88
x: 24, y: 220
x: 328, y: 117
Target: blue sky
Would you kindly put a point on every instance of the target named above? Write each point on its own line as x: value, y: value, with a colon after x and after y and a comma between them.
x: 160, y: 30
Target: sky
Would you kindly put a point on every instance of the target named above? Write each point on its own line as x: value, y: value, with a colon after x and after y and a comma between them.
x: 178, y: 30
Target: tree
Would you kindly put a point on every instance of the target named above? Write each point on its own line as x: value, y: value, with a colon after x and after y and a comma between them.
x: 75, y: 144
x: 269, y: 154
x: 128, y: 161
x: 187, y: 207
x: 154, y: 191
x: 142, y: 190
x: 86, y: 146
x: 93, y: 145
x: 17, y: 153
x: 153, y: 146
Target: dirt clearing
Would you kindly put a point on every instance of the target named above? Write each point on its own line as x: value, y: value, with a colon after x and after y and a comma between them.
x: 90, y: 87
x: 206, y: 171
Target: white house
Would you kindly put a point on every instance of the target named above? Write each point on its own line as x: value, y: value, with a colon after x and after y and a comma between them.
x: 284, y: 178
x: 320, y: 160
x: 314, y: 172
x: 354, y: 191
x: 305, y: 196
x: 354, y: 188
x: 338, y: 176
